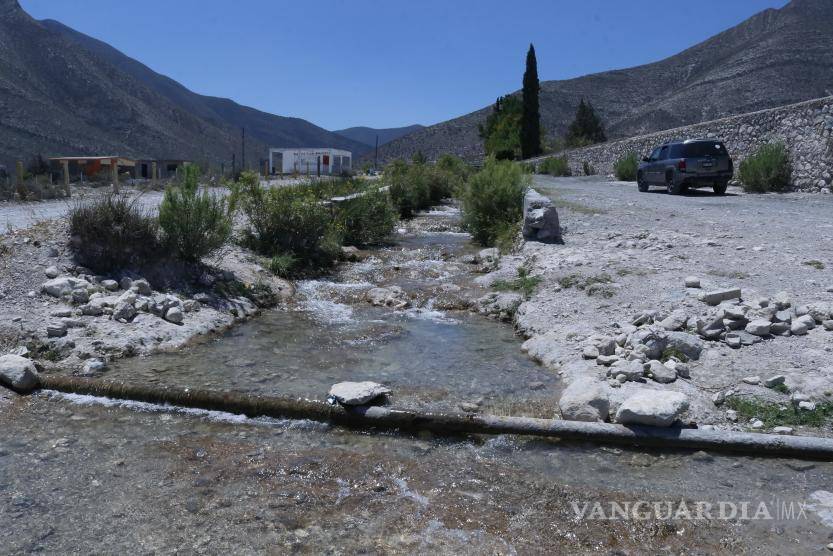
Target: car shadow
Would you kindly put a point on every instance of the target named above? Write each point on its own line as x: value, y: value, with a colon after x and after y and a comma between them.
x: 693, y: 193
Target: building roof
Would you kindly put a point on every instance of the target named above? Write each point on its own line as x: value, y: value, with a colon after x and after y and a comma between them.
x: 104, y: 159
x: 310, y: 149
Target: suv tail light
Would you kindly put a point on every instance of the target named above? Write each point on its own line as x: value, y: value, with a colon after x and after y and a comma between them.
x: 681, y: 165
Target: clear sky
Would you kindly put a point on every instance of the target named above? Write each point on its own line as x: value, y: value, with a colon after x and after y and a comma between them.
x: 388, y: 63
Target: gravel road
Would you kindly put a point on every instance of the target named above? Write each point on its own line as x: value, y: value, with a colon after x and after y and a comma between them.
x: 640, y: 247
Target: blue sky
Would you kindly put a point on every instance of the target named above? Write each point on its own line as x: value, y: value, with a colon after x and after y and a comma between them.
x: 388, y: 63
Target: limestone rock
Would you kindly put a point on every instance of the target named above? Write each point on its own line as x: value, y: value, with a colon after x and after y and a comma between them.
x: 52, y: 272
x: 357, y: 393
x: 585, y: 399
x: 660, y: 373
x: 392, y: 296
x: 58, y: 287
x: 540, y: 219
x: 715, y: 297
x: 758, y: 327
x: 174, y: 315
x: 656, y: 408
x: 18, y: 373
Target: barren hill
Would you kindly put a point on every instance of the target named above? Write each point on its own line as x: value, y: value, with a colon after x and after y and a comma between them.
x: 774, y: 58
x: 62, y: 92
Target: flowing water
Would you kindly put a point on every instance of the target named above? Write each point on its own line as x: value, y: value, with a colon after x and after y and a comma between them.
x: 83, y: 474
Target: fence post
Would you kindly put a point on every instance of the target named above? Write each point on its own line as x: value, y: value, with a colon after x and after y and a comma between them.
x: 114, y: 174
x: 65, y: 168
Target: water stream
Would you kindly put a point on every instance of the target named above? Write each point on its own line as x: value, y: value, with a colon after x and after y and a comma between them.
x: 82, y: 474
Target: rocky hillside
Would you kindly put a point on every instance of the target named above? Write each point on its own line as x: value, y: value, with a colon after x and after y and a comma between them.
x: 777, y: 57
x: 367, y: 135
x: 62, y: 92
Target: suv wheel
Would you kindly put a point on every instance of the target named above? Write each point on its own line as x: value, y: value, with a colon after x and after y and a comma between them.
x: 673, y: 188
x: 640, y: 183
x: 720, y: 187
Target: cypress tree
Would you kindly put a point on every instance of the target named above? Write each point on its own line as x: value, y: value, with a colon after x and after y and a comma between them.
x: 531, y: 117
x: 586, y: 128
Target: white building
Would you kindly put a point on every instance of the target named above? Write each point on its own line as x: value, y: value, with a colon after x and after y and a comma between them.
x: 310, y: 161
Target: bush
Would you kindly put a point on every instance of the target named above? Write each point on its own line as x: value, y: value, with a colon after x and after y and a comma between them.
x: 368, y: 219
x: 282, y: 265
x: 768, y: 169
x: 287, y: 221
x: 625, y: 167
x: 193, y: 224
x: 555, y: 166
x: 113, y: 233
x: 493, y: 200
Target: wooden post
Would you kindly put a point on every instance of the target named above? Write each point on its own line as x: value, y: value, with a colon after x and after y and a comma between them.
x: 114, y: 173
x: 65, y: 167
x: 153, y: 174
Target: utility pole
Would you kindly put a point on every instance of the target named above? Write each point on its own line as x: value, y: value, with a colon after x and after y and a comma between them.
x: 376, y: 156
x: 243, y: 160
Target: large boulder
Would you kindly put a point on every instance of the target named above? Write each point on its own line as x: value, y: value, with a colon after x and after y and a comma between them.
x: 357, y: 393
x: 586, y: 399
x: 655, y: 408
x: 540, y: 219
x: 18, y: 373
x: 500, y: 304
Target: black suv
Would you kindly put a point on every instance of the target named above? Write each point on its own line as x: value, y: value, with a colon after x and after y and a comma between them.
x: 679, y: 165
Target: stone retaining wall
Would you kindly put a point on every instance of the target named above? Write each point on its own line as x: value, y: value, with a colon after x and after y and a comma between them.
x: 805, y: 128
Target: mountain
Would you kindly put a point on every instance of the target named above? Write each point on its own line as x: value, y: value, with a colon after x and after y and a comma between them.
x: 62, y: 92
x: 776, y: 57
x: 367, y: 135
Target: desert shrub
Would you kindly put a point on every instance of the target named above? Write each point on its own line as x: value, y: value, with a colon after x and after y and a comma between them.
x: 282, y: 265
x: 768, y: 169
x: 587, y: 169
x: 113, y: 232
x: 287, y: 221
x: 194, y: 223
x: 555, y: 166
x: 493, y: 200
x: 625, y: 167
x: 368, y: 219
x: 410, y: 189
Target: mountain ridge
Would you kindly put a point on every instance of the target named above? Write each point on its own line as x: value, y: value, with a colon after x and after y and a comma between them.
x: 63, y: 92
x: 776, y: 57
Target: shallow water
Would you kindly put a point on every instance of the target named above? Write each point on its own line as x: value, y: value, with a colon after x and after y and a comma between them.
x: 431, y: 359
x: 83, y: 474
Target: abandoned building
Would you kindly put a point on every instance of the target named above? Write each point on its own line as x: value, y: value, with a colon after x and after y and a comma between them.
x: 310, y: 161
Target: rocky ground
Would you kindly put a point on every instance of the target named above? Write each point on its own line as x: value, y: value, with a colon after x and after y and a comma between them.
x: 711, y: 297
x: 72, y: 320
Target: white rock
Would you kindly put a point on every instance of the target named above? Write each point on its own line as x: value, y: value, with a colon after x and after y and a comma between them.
x: 758, y: 327
x: 18, y: 373
x: 585, y: 399
x: 775, y: 381
x: 756, y: 424
x: 357, y: 393
x: 141, y: 287
x: 807, y: 406
x: 783, y: 430
x: 715, y: 297
x: 52, y: 272
x: 752, y: 380
x: 174, y: 315
x: 732, y: 415
x: 590, y: 352
x: 124, y: 311
x: 64, y: 285
x: 660, y: 373
x: 655, y: 408
x: 692, y: 282
x: 92, y: 366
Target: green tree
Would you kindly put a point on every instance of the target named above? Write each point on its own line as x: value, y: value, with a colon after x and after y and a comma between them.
x: 586, y: 128
x: 531, y: 117
x: 501, y: 133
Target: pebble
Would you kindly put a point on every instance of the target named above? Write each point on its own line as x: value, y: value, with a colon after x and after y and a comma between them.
x: 783, y: 430
x: 52, y: 272
x: 756, y: 424
x: 774, y: 381
x: 830, y: 546
x: 752, y: 380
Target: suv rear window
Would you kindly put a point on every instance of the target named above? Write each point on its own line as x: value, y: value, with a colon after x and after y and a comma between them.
x: 700, y: 149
